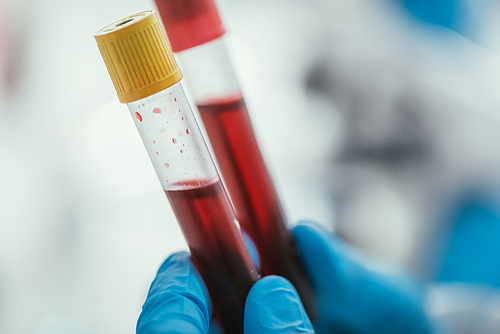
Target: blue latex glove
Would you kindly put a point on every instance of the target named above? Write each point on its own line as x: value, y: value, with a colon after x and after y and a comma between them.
x: 178, y: 302
x: 473, y: 254
x: 445, y: 13
x: 351, y: 298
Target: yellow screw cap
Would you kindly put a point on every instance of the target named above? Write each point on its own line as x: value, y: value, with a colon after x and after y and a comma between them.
x: 138, y: 56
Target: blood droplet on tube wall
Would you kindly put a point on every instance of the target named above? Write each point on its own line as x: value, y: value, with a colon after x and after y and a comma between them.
x: 189, y: 179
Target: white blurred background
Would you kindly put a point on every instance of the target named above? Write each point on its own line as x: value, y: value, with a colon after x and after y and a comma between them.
x: 370, y: 118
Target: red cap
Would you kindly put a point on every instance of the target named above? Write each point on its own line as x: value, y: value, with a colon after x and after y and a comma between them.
x: 190, y: 22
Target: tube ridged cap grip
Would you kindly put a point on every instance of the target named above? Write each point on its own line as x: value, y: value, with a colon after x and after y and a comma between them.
x: 138, y: 56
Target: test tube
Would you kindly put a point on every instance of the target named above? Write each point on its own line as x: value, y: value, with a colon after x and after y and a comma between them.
x: 195, y: 31
x: 147, y: 78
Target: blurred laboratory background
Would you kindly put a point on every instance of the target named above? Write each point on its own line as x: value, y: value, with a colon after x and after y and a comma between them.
x: 378, y: 119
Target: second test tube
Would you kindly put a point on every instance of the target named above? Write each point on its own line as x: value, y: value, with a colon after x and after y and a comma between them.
x: 195, y: 32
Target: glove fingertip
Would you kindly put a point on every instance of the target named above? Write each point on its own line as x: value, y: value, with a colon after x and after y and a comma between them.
x: 177, y: 300
x: 308, y: 231
x: 182, y: 257
x: 312, y: 240
x: 274, y: 306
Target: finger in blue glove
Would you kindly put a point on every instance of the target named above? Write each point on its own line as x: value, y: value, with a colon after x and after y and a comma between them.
x: 177, y: 301
x: 273, y: 306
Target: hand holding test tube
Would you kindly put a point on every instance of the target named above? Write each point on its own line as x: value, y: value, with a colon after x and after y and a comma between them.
x: 352, y: 297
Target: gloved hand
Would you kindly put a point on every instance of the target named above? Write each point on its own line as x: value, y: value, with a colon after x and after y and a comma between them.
x: 178, y: 302
x: 351, y: 297
x: 353, y: 294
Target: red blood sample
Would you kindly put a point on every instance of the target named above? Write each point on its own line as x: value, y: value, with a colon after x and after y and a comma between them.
x: 156, y: 111
x: 138, y: 116
x: 217, y: 248
x: 190, y: 22
x: 252, y: 192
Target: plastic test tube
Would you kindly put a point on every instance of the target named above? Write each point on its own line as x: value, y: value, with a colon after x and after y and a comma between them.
x: 195, y: 32
x: 146, y: 77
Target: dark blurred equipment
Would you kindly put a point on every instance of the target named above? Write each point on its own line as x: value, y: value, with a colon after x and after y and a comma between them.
x: 384, y: 120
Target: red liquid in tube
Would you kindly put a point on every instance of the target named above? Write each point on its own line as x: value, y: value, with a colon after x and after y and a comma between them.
x: 208, y: 224
x: 252, y: 192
